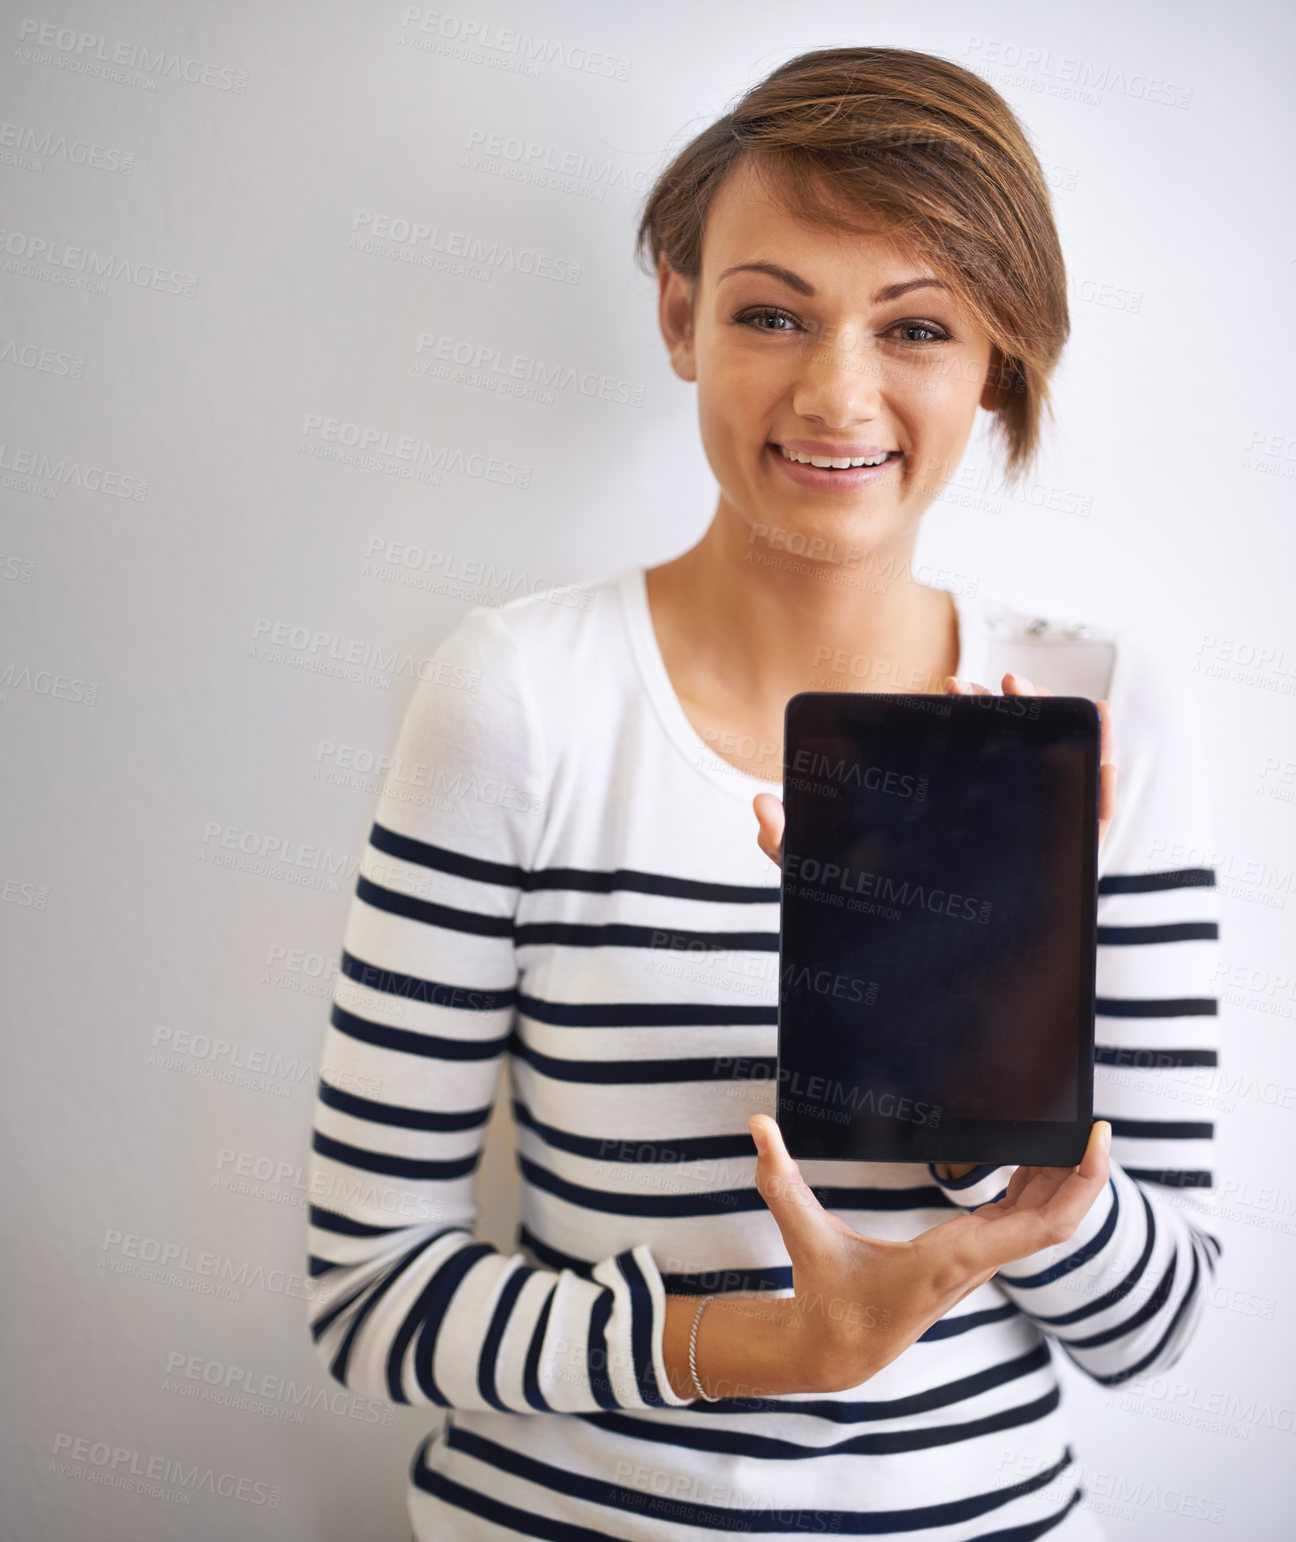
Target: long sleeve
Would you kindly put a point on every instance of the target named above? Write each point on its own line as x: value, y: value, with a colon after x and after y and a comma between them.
x: 407, y: 1305
x: 1124, y: 1294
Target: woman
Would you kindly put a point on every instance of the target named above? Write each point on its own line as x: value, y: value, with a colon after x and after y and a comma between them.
x: 693, y: 1336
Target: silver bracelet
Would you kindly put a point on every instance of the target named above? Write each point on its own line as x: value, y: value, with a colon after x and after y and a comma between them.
x: 697, y: 1318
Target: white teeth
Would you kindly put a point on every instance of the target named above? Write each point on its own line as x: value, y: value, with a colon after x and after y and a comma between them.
x: 838, y: 462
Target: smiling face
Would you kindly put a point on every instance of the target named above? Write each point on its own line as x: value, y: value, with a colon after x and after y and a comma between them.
x: 826, y: 343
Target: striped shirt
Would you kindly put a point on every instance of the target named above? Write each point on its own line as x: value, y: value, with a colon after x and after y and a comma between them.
x: 562, y: 883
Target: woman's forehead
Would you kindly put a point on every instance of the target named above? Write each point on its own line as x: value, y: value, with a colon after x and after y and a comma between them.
x: 749, y: 222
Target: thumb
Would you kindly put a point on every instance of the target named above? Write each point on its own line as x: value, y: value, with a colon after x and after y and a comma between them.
x: 770, y: 819
x: 779, y: 1183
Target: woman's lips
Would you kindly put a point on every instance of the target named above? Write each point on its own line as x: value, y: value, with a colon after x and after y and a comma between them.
x: 827, y: 479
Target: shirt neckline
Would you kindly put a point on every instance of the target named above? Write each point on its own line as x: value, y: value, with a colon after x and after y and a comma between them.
x: 632, y: 588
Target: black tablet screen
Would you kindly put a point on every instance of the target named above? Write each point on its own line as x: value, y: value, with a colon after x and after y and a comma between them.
x: 936, y: 941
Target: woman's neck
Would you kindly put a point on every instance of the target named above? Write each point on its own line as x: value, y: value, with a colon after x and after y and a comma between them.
x: 743, y: 624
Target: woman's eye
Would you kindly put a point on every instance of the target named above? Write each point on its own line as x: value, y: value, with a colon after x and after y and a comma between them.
x: 767, y: 315
x: 934, y: 335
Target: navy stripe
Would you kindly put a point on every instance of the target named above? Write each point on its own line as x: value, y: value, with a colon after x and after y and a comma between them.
x: 1155, y: 1353
x: 320, y: 1326
x: 633, y: 880
x: 1074, y: 1260
x: 426, y: 1316
x: 585, y: 880
x: 330, y: 1220
x: 596, y: 1351
x: 525, y: 1522
x: 495, y: 1334
x: 948, y: 1327
x: 641, y: 1328
x: 377, y: 1290
x: 695, y: 1437
x: 700, y: 1283
x: 573, y: 879
x: 621, y: 934
x: 551, y: 1257
x: 452, y: 917
x: 705, y: 1068
x: 1117, y: 1292
x: 1188, y: 1006
x: 969, y: 1180
x: 1174, y: 1178
x: 437, y: 993
x: 1160, y: 1295
x: 528, y: 1524
x: 1147, y: 883
x: 403, y: 1118
x: 1163, y: 1129
x: 672, y: 1148
x: 669, y: 1151
x: 850, y: 1522
x: 428, y: 1044
x: 1153, y: 1059
x: 393, y: 1166
x: 431, y: 1298
x: 724, y: 1201
x: 1172, y: 931
x: 645, y: 1014
x: 1031, y: 1530
x: 711, y: 1202
x: 531, y: 1371
x: 422, y: 854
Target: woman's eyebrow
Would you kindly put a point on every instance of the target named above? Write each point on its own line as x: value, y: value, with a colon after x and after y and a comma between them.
x: 803, y: 286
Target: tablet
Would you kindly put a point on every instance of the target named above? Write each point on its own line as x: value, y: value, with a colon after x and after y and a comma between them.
x: 937, y: 917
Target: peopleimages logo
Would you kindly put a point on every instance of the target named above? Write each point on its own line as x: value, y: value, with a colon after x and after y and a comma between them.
x: 823, y: 879
x: 123, y: 1467
x: 850, y: 773
x: 799, y: 977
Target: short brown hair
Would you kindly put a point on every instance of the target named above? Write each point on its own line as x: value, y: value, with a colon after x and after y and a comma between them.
x: 863, y: 138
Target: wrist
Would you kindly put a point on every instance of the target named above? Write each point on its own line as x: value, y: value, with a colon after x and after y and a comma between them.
x: 743, y: 1350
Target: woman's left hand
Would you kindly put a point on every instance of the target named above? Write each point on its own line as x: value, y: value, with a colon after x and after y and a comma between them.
x: 770, y: 814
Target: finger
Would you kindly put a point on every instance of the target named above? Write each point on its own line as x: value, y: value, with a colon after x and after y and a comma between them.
x: 1106, y: 800
x: 791, y: 1200
x: 951, y: 685
x: 1017, y: 1183
x: 1106, y: 769
x: 1028, y: 1189
x: 1038, y: 1185
x: 1028, y: 1228
x: 770, y: 820
x: 1095, y: 1165
x: 1019, y: 685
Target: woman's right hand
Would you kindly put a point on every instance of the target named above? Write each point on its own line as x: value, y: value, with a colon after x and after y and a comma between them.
x: 862, y: 1301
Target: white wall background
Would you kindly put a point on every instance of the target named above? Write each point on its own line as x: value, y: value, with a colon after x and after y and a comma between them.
x: 170, y: 498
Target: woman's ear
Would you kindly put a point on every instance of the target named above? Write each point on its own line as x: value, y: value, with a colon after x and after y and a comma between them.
x: 675, y: 316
